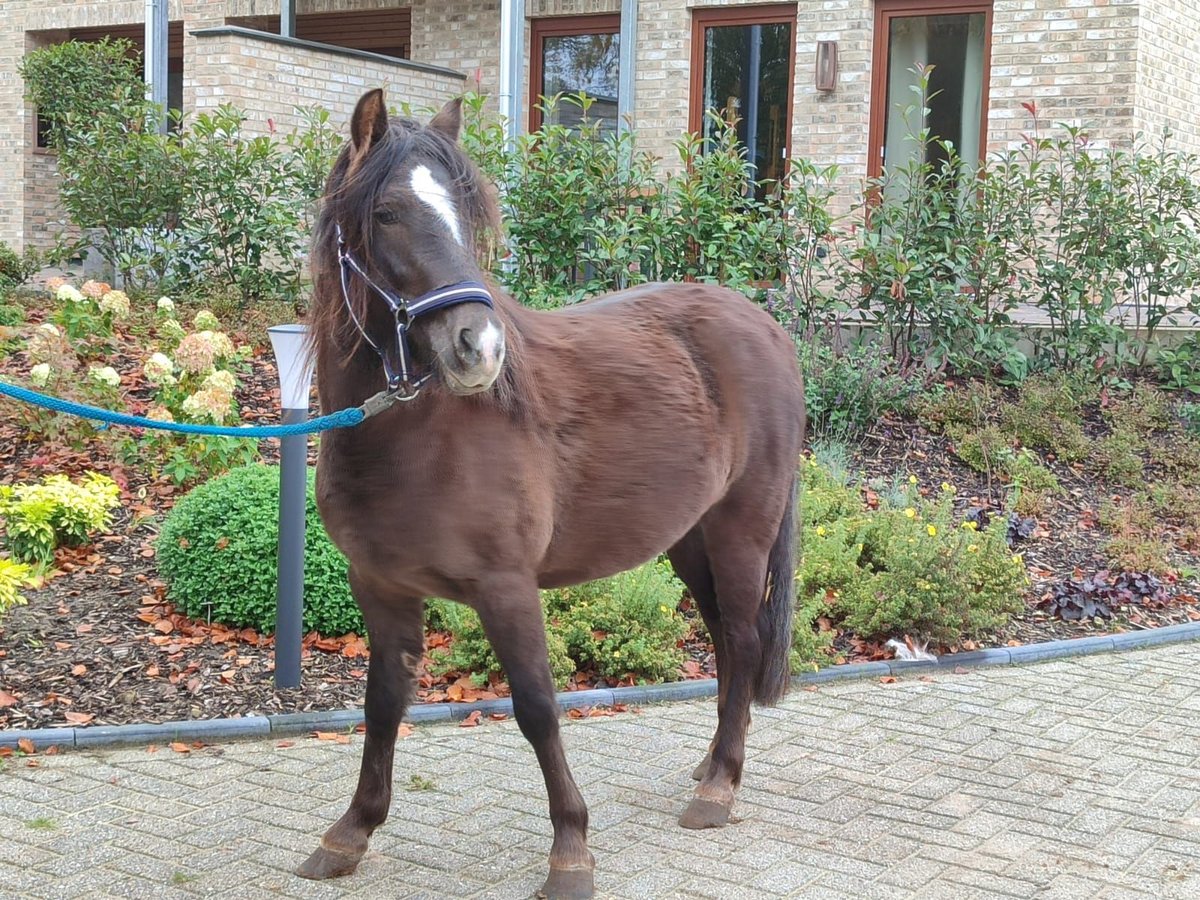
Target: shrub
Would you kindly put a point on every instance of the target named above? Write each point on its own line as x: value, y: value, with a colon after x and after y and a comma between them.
x: 470, y: 651
x: 906, y: 570
x: 986, y: 450
x: 13, y: 577
x: 1143, y: 411
x: 628, y: 624
x: 15, y: 270
x: 38, y: 518
x: 1047, y: 416
x: 218, y: 551
x: 956, y: 410
x: 1119, y: 456
x: 847, y: 392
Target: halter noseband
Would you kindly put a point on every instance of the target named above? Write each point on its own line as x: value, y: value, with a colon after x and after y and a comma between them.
x: 401, y: 383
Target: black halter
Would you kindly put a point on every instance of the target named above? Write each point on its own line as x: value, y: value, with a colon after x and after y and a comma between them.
x: 401, y: 381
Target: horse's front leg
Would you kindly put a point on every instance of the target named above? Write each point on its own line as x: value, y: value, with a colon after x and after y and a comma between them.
x: 512, y: 619
x: 397, y: 639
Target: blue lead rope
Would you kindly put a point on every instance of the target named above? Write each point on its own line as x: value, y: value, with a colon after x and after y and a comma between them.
x: 346, y: 418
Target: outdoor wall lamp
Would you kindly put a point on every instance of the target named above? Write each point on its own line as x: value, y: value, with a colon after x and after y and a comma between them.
x: 295, y: 382
x: 826, y: 65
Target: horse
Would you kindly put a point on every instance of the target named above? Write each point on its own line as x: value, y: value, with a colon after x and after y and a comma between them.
x: 519, y: 449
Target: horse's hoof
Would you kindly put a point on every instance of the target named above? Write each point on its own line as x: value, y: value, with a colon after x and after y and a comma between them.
x: 704, y: 814
x: 702, y: 768
x: 568, y: 884
x: 325, y: 863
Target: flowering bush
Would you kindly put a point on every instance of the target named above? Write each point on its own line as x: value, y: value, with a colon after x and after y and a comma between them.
x: 86, y: 314
x: 41, y: 517
x: 193, y: 379
x: 906, y: 567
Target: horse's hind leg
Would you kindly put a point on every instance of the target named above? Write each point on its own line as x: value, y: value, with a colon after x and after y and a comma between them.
x: 512, y: 620
x: 737, y: 558
x: 397, y: 640
x: 690, y: 562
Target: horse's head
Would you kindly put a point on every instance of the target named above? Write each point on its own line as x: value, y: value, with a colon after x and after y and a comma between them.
x: 410, y: 209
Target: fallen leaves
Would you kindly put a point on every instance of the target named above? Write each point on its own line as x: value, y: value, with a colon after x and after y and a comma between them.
x: 7, y: 699
x: 471, y: 720
x: 336, y: 737
x: 78, y: 718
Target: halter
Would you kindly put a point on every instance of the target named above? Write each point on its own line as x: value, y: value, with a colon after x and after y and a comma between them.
x: 401, y: 383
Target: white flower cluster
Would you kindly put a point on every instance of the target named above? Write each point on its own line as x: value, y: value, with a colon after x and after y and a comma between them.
x: 40, y: 374
x: 208, y: 404
x: 159, y: 370
x: 115, y: 302
x: 105, y: 375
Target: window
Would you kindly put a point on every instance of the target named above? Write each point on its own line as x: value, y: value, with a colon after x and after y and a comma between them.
x: 572, y: 55
x: 743, y: 64
x: 386, y: 31
x: 953, y: 36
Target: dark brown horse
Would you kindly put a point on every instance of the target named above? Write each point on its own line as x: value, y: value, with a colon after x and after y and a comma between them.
x: 545, y: 449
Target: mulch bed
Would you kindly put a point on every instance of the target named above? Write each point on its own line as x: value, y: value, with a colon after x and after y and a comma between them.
x: 100, y: 644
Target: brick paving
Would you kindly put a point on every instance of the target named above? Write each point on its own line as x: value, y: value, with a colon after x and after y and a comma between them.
x: 1073, y: 778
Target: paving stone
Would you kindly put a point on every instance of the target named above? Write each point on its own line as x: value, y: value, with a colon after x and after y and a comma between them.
x: 1065, y: 779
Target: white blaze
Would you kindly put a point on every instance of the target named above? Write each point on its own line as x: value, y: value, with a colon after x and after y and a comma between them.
x: 436, y: 197
x: 489, y: 341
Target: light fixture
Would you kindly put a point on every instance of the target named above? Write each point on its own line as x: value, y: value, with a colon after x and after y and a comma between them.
x: 295, y: 382
x: 826, y: 79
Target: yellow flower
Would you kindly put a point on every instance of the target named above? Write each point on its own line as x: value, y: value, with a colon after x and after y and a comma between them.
x: 973, y: 548
x: 932, y: 529
x: 947, y: 486
x: 971, y: 526
x: 820, y: 531
x: 911, y: 513
x: 1018, y: 559
x: 912, y: 479
x: 663, y: 609
x: 616, y: 654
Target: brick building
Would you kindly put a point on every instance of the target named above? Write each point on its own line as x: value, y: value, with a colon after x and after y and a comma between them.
x: 823, y: 79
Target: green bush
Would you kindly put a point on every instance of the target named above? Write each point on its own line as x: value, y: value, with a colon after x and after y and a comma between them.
x: 13, y: 577
x: 470, y: 651
x: 218, y: 552
x: 38, y: 518
x: 15, y: 270
x: 905, y: 570
x: 847, y: 392
x: 626, y: 625
x: 1048, y: 416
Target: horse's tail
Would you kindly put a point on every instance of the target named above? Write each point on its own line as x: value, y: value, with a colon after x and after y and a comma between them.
x: 775, y: 614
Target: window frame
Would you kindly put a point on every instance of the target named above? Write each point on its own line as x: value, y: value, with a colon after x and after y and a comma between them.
x: 716, y: 17
x: 885, y: 11
x: 558, y: 26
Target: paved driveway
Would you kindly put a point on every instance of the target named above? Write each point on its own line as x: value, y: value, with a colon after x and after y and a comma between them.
x: 1073, y: 778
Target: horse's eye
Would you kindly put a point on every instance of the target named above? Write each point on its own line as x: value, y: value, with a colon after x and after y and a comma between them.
x: 386, y: 217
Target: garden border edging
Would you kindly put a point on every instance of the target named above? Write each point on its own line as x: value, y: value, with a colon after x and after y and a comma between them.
x: 340, y: 719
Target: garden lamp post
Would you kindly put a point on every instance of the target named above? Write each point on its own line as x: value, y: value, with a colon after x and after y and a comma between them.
x: 295, y: 380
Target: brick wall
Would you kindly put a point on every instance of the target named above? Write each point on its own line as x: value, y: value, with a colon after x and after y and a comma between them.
x: 1168, y: 71
x: 268, y: 79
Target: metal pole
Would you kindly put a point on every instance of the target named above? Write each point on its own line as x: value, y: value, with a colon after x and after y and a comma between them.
x: 293, y: 496
x: 512, y: 65
x: 155, y: 59
x: 287, y: 18
x: 752, y: 89
x: 627, y: 67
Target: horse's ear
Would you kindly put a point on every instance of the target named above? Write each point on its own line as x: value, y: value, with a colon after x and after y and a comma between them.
x: 369, y: 122
x: 449, y: 120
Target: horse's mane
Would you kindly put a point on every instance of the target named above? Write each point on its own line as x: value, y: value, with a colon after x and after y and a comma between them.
x: 352, y: 191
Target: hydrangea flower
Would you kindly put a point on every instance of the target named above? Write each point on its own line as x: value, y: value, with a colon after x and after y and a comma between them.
x: 39, y: 375
x: 221, y: 344
x: 160, y: 414
x: 115, y: 302
x: 208, y: 404
x: 206, y: 321
x: 220, y: 380
x: 159, y: 370
x: 195, y: 353
x: 55, y: 283
x: 172, y: 330
x: 68, y: 294
x: 95, y: 289
x: 105, y: 375
x: 165, y: 305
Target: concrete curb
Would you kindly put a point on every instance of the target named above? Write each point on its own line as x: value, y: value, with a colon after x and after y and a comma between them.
x: 343, y: 719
